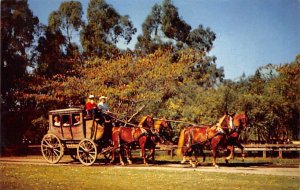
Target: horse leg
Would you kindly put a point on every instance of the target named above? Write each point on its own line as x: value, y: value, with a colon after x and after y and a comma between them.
x: 113, y: 152
x: 214, y: 146
x: 128, y: 155
x: 191, y: 158
x: 196, y: 161
x: 112, y: 156
x: 144, y: 155
x: 214, y: 151
x: 183, y: 155
x: 191, y: 162
x: 231, y: 149
x: 152, y: 154
x: 121, y: 159
x: 242, y: 150
x: 196, y: 154
x: 203, y: 155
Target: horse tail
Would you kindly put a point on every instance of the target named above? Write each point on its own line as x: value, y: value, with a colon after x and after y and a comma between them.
x: 180, y: 143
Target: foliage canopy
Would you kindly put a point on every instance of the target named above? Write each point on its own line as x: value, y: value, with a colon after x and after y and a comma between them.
x: 169, y: 71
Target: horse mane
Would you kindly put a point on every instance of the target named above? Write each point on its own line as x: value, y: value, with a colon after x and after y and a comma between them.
x: 142, y: 121
x: 221, y: 120
x: 237, y: 118
x: 157, y: 124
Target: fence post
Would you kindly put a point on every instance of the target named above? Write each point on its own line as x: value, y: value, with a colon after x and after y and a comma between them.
x: 280, y: 153
x: 264, y: 154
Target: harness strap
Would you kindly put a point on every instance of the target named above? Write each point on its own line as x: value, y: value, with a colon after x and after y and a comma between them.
x: 94, y: 129
x: 191, y: 135
x: 132, y: 133
x: 119, y: 139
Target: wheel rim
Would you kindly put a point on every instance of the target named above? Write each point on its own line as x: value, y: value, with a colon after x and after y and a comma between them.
x: 87, y: 152
x: 51, y: 148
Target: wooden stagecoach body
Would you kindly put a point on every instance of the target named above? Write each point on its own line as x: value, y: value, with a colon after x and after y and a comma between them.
x: 80, y: 138
x: 70, y: 131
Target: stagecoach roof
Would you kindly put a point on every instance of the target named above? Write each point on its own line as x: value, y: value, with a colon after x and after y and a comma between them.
x: 66, y: 111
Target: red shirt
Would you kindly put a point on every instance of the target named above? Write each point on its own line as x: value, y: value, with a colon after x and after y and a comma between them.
x: 89, y: 105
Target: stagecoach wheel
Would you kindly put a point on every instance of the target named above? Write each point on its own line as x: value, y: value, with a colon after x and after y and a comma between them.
x: 87, y: 152
x: 51, y: 148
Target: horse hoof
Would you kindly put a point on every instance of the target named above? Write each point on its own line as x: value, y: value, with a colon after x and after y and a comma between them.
x: 129, y: 162
x: 217, y: 166
x: 182, y: 162
x: 226, y: 161
x: 194, y: 165
x: 122, y: 163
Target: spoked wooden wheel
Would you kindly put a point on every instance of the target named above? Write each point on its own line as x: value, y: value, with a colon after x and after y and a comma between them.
x: 87, y: 152
x: 51, y: 148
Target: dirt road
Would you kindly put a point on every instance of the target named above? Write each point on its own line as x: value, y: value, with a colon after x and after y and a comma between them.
x: 243, y: 169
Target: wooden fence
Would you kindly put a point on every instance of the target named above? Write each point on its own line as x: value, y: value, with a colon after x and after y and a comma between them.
x: 264, y: 150
x: 250, y: 149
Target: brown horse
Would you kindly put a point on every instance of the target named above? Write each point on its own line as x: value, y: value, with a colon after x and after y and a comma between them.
x: 240, y: 122
x: 125, y: 137
x: 164, y: 129
x: 194, y: 138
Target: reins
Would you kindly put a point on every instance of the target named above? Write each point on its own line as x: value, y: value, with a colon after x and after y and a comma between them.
x: 179, y: 121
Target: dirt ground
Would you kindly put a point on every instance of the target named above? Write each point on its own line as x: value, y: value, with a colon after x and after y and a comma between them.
x: 285, y: 170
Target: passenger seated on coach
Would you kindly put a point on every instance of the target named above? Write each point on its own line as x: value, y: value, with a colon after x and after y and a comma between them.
x: 104, y: 109
x: 90, y: 106
x: 56, y: 121
x: 66, y: 120
x: 76, y: 120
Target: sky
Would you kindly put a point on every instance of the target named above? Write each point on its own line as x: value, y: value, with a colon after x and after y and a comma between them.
x: 250, y: 33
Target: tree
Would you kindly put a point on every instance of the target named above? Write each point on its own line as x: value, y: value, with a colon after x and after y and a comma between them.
x: 201, y: 39
x: 163, y: 28
x: 18, y: 28
x: 51, y: 59
x: 105, y: 28
x: 151, y: 40
x: 172, y: 25
x: 67, y: 19
x: 287, y: 85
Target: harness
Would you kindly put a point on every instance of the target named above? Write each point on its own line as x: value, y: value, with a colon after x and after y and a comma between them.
x: 143, y: 133
x: 191, y: 137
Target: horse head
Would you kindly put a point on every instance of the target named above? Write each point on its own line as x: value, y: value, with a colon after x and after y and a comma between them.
x: 164, y: 129
x: 240, y: 121
x: 147, y: 122
x: 226, y: 121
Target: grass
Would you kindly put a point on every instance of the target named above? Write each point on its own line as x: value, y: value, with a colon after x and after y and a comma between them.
x: 27, y: 176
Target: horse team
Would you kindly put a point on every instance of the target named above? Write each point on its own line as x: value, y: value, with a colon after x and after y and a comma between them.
x: 192, y: 140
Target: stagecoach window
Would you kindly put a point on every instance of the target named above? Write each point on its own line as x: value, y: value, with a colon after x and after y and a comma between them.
x: 56, y: 120
x: 66, y: 120
x: 76, y: 119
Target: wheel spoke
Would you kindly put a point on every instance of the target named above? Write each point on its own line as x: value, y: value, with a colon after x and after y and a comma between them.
x: 51, y: 148
x: 87, y: 152
x: 80, y: 146
x: 46, y: 141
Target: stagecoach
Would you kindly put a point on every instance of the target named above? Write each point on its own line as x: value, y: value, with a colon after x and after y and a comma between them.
x: 71, y: 132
